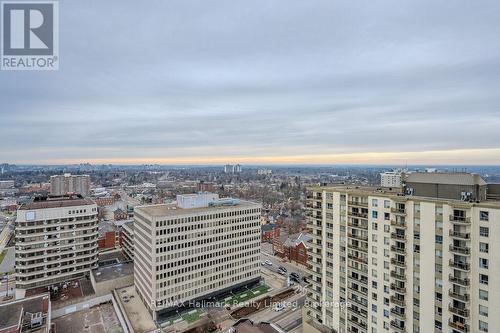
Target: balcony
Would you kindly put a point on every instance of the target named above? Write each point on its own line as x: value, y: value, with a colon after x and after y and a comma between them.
x: 357, y: 225
x: 462, y: 327
x: 399, y: 211
x: 360, y: 260
x: 398, y: 224
x: 358, y: 214
x: 398, y: 263
x: 398, y: 301
x: 398, y: 276
x: 460, y: 265
x: 398, y: 313
x: 465, y: 282
x: 357, y: 247
x: 357, y: 203
x: 460, y: 219
x: 398, y: 236
x: 460, y: 235
x: 398, y: 289
x: 460, y: 249
x: 458, y: 311
x: 461, y: 297
x: 398, y: 326
x: 398, y: 249
x: 358, y: 236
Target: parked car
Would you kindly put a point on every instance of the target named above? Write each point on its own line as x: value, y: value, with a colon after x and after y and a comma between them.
x: 293, y: 278
x: 295, y: 275
x: 281, y: 268
x: 268, y: 262
x: 279, y: 307
x: 281, y: 272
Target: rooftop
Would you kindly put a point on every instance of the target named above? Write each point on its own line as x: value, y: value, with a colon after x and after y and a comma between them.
x: 56, y: 202
x: 455, y: 178
x: 15, y: 313
x: 113, y: 272
x: 173, y: 210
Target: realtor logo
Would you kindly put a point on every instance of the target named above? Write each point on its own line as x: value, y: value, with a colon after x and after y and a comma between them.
x: 29, y: 35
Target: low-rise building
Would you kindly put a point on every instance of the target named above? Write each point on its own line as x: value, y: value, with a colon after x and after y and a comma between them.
x: 30, y: 314
x: 293, y: 247
x: 269, y: 232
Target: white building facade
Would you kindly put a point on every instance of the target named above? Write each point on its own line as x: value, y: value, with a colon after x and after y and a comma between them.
x: 386, y: 262
x: 56, y: 241
x: 182, y: 255
x: 68, y: 183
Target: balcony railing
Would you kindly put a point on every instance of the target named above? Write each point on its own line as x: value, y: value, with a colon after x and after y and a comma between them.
x: 357, y: 203
x: 398, y: 289
x: 459, y: 326
x: 357, y: 214
x: 458, y: 311
x: 400, y: 314
x: 460, y: 249
x: 460, y: 235
x: 460, y: 265
x: 398, y: 224
x: 398, y: 263
x: 398, y: 249
x: 465, y: 282
x: 398, y: 301
x: 400, y: 211
x: 398, y: 236
x: 460, y: 219
x: 398, y: 276
x: 461, y: 297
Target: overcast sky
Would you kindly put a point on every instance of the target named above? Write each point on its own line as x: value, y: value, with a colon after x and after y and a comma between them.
x: 262, y: 81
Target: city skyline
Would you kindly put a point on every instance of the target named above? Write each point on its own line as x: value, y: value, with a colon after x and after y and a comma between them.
x: 318, y: 83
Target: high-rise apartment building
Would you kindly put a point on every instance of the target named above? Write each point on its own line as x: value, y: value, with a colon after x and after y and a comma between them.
x: 391, y: 179
x: 201, y: 247
x: 70, y: 184
x: 421, y: 259
x: 56, y: 241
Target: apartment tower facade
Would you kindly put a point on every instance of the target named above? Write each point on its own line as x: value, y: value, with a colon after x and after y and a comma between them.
x: 56, y: 241
x: 399, y: 262
x: 201, y: 247
x: 70, y: 184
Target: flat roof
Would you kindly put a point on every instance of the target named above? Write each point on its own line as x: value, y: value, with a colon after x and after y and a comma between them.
x: 56, y: 203
x: 113, y: 272
x: 11, y: 312
x: 172, y: 210
x: 378, y: 191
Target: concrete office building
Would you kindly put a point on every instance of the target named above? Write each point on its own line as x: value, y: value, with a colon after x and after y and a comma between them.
x: 420, y: 259
x: 391, y: 179
x: 56, y: 241
x: 188, y: 254
x: 68, y: 183
x: 127, y: 234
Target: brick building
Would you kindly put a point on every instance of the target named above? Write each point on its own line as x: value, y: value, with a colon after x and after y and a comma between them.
x: 269, y: 232
x: 293, y: 247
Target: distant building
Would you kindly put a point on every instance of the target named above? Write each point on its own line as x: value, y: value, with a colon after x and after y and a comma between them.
x: 230, y: 168
x: 206, y: 187
x: 294, y: 247
x: 102, y: 202
x: 56, y: 241
x: 68, y: 183
x: 264, y: 172
x: 109, y: 236
x: 30, y: 314
x: 200, y: 248
x: 269, y: 232
x: 391, y: 179
x: 120, y: 214
x: 5, y: 184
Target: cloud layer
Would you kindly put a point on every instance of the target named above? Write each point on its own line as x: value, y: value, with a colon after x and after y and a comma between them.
x: 185, y: 80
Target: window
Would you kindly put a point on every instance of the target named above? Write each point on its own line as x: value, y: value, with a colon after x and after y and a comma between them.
x: 374, y: 214
x: 483, y: 263
x: 439, y: 239
x: 387, y: 228
x: 483, y: 278
x: 374, y: 226
x: 484, y: 216
x: 483, y: 327
x: 387, y: 216
x: 483, y: 294
x: 386, y: 313
x: 484, y: 247
x: 387, y: 204
x: 374, y: 202
x: 483, y: 310
x: 484, y: 231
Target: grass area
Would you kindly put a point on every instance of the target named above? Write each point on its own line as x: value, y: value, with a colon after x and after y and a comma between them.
x: 2, y: 255
x: 192, y: 316
x: 248, y: 294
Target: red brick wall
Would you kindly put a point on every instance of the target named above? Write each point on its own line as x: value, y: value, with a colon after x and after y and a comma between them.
x: 108, y: 241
